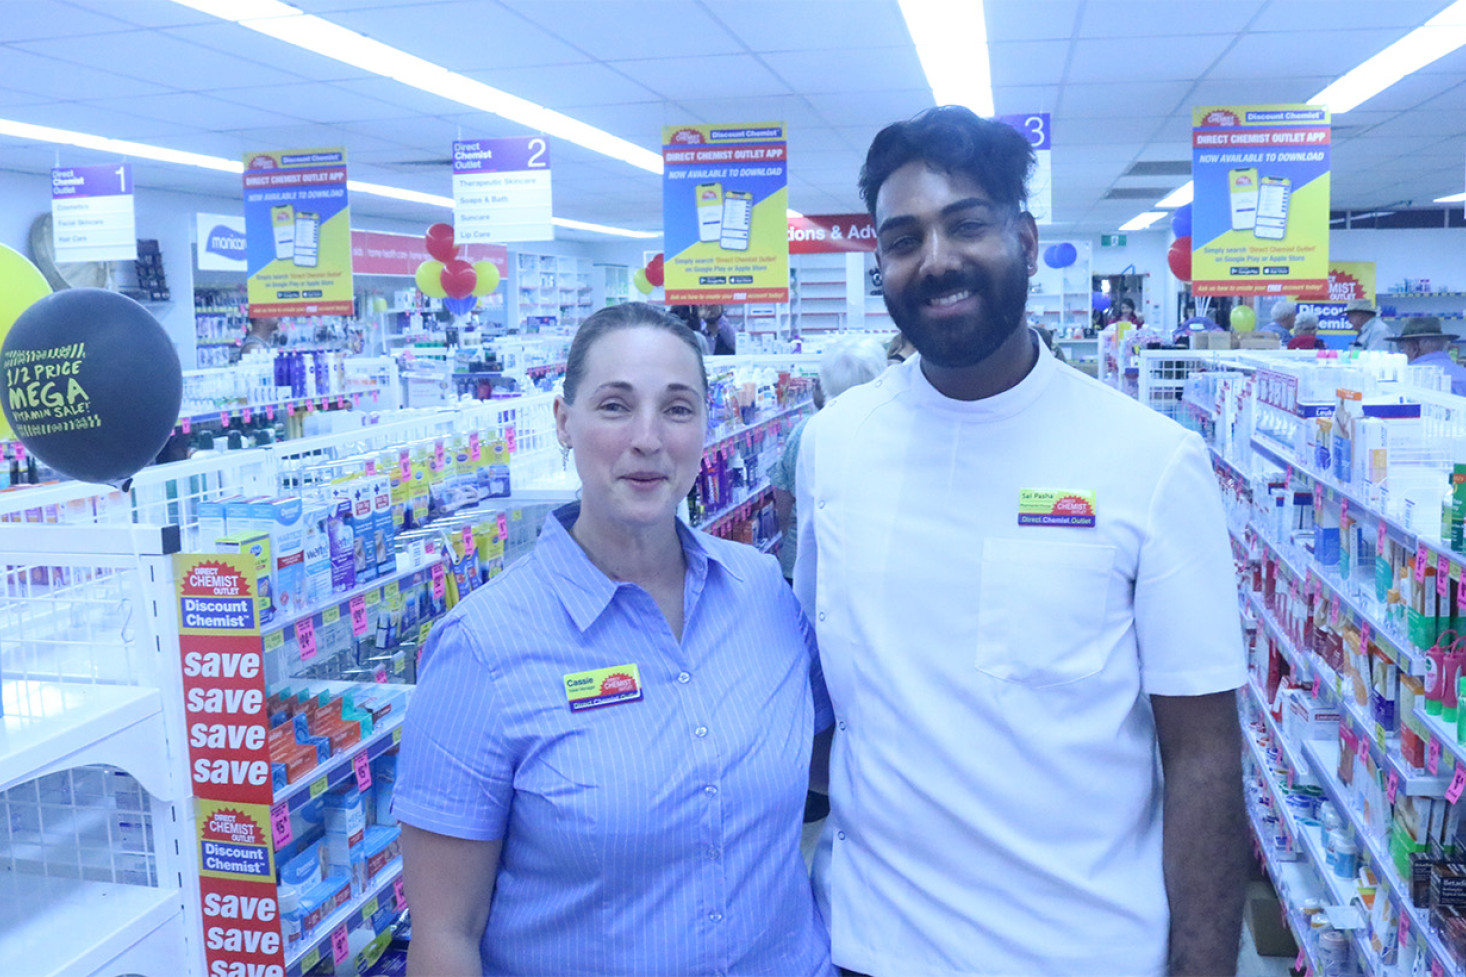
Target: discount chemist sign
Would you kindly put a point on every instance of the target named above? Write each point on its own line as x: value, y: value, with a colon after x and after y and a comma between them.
x: 229, y: 763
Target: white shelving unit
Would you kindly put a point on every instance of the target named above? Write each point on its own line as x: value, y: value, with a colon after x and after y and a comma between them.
x: 549, y: 291
x: 1059, y: 298
x: 610, y: 285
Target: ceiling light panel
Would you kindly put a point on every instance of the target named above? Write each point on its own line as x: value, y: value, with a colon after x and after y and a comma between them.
x: 952, y: 42
x: 1433, y: 40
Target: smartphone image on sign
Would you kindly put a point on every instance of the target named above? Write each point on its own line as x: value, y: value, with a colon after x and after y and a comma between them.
x: 307, y: 239
x: 709, y: 211
x: 1242, y: 187
x: 282, y: 218
x: 1273, y: 195
x: 737, y: 216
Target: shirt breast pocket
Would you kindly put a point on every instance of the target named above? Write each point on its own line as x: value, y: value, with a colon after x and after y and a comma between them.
x: 1041, y: 610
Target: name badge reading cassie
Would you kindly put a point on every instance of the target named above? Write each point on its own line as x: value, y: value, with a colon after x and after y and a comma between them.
x: 603, y: 687
x: 1055, y: 507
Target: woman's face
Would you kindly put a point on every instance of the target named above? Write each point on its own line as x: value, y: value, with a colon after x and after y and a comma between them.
x: 637, y: 426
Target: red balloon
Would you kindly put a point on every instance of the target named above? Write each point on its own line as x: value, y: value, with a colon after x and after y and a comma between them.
x: 458, y: 278
x: 654, y: 271
x: 1178, y: 256
x: 439, y: 240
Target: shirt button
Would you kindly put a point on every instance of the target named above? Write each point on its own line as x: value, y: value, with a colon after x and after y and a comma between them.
x: 842, y: 724
x: 713, y: 852
x: 710, y: 790
x: 715, y: 917
x: 821, y: 505
x: 700, y: 731
x: 684, y: 677
x: 840, y: 835
x: 822, y: 615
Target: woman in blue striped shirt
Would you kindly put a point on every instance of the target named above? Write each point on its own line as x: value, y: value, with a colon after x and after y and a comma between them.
x: 604, y: 765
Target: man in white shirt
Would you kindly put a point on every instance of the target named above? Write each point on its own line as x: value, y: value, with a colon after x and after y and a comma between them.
x: 1027, y: 620
x: 1372, y: 331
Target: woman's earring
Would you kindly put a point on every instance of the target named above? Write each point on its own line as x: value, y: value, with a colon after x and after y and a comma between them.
x: 564, y: 457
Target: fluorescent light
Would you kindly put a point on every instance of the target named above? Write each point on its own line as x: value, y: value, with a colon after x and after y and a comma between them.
x: 1431, y: 41
x: 125, y: 147
x: 1454, y: 198
x: 319, y: 36
x: 1179, y: 197
x: 1141, y: 221
x: 952, y: 42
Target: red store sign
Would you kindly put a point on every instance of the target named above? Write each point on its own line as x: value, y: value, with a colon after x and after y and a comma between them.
x: 831, y: 234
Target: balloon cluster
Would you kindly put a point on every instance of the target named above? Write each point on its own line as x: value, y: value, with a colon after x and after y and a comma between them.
x: 1178, y: 256
x: 649, y: 277
x: 448, y: 277
x: 1060, y: 255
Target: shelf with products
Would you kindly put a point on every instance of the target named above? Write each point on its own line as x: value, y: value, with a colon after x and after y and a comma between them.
x: 1302, y: 772
x: 376, y: 907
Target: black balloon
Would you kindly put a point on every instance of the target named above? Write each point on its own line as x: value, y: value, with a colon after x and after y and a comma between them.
x: 92, y: 384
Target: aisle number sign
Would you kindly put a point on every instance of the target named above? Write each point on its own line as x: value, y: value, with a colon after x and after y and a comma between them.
x: 298, y: 229
x: 724, y: 200
x: 501, y: 190
x: 1035, y: 125
x: 1348, y: 280
x: 227, y: 718
x: 92, y: 215
x: 1260, y: 217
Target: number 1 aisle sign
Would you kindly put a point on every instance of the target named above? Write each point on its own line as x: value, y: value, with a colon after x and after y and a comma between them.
x: 92, y: 214
x: 501, y: 190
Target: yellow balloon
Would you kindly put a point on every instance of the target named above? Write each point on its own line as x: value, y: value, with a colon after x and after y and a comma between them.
x: 642, y: 285
x: 21, y: 286
x: 1242, y: 318
x: 488, y: 277
x: 429, y: 279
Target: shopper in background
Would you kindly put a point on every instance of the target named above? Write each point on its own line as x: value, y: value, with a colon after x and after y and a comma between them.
x: 688, y: 315
x: 1306, y: 326
x: 605, y: 763
x: 719, y: 331
x: 1372, y: 332
x: 899, y: 349
x: 261, y: 335
x: 1423, y: 344
x: 1127, y: 313
x: 1027, y: 617
x: 1283, y: 315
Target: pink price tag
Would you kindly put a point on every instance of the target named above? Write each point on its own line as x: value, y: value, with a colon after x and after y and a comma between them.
x: 224, y: 418
x: 399, y: 892
x: 473, y: 445
x: 510, y: 440
x: 339, y: 946
x: 305, y: 635
x: 290, y: 409
x: 247, y: 414
x: 374, y: 396
x: 405, y: 461
x: 1379, y: 538
x: 1437, y: 969
x: 1317, y: 683
x: 323, y: 404
x: 310, y: 406
x: 439, y: 587
x: 468, y: 544
x: 363, y: 768
x: 270, y: 412
x: 1361, y: 747
x: 280, y: 825
x: 1364, y: 635
x: 1404, y: 928
x: 356, y: 400
x: 1420, y: 558
x: 1298, y: 960
x: 340, y: 402
x: 358, y: 616
x: 1343, y: 511
x: 1393, y: 786
x: 1461, y: 590
x: 371, y: 466
x: 380, y: 675
x: 1443, y: 575
x: 1458, y: 784
x: 503, y: 526
x: 1334, y: 613
x: 438, y: 453
x: 20, y: 452
x: 1288, y: 477
x: 1433, y: 756
x: 186, y: 425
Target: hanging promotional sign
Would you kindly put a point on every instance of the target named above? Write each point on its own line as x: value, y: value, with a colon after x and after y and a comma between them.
x: 501, y: 190
x: 220, y: 597
x: 831, y: 233
x: 221, y: 242
x: 385, y: 253
x: 298, y: 225
x: 1035, y: 125
x: 724, y: 200
x: 92, y: 216
x: 1348, y: 281
x: 1260, y: 217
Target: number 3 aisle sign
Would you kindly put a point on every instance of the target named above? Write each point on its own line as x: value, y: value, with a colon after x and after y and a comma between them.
x: 501, y: 190
x: 1035, y: 125
x: 92, y: 213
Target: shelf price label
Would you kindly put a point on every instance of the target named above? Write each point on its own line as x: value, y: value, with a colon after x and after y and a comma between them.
x: 1364, y: 636
x: 1343, y: 512
x: 186, y: 424
x: 1443, y: 575
x: 273, y: 640
x: 440, y: 588
x: 1317, y: 683
x: 247, y: 415
x: 305, y: 636
x: 404, y: 463
x: 1433, y: 756
x: 1379, y: 539
x: 270, y: 412
x: 363, y: 768
x: 309, y: 961
x: 1404, y: 928
x: 510, y: 439
x: 473, y: 452
x: 1334, y: 612
x: 399, y: 892
x: 504, y: 533
x: 319, y: 786
x: 280, y: 825
x: 1361, y: 746
x: 290, y: 408
x: 1437, y: 969
x: 1461, y: 589
x: 1391, y: 788
x: 1421, y: 555
x: 358, y: 616
x: 439, y: 453
x: 1298, y: 960
x: 1458, y: 784
x: 330, y: 616
x: 339, y: 944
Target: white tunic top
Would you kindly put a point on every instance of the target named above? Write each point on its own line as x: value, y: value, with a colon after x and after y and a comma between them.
x: 995, y: 782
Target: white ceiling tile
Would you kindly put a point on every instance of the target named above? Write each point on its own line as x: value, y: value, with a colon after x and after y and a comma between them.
x: 461, y: 36
x: 864, y: 70
x: 312, y: 101
x: 395, y: 93
x: 1167, y: 58
x: 241, y: 42
x: 795, y: 111
x: 1269, y: 56
x: 27, y: 20
x: 1015, y: 99
x: 1031, y: 20
x: 160, y: 59
x: 1106, y: 101
x: 1257, y: 91
x: 27, y: 72
x: 201, y: 112
x: 8, y: 98
x: 1021, y: 62
x: 614, y: 30
x: 636, y: 121
x: 714, y: 76
x: 114, y: 122
x: 310, y: 137
x: 814, y: 25
x: 584, y: 83
x: 1305, y: 16
x: 874, y: 107
x: 1077, y: 131
x: 1136, y: 22
x: 143, y: 13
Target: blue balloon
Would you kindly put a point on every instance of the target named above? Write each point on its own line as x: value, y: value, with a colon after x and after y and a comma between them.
x: 1060, y: 255
x: 1049, y: 255
x: 1181, y: 221
x: 1099, y: 301
x: 461, y: 306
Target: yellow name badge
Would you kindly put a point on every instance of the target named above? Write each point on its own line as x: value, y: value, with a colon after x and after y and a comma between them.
x: 602, y: 687
x: 1055, y: 507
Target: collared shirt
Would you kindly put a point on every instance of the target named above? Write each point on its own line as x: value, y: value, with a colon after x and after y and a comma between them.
x: 1373, y: 335
x: 653, y: 836
x: 1440, y: 358
x: 999, y: 586
x: 781, y: 476
x: 1276, y: 329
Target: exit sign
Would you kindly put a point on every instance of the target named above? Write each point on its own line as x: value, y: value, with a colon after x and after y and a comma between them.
x: 1112, y: 240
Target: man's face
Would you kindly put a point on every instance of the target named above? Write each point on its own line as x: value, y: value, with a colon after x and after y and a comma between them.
x: 1358, y: 319
x: 954, y: 264
x: 1287, y: 320
x: 709, y: 313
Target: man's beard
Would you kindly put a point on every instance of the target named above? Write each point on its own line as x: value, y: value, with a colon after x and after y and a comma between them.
x: 962, y: 343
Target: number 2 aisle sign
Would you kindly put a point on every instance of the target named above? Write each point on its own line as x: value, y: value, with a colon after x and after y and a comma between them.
x: 501, y: 190
x: 92, y: 214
